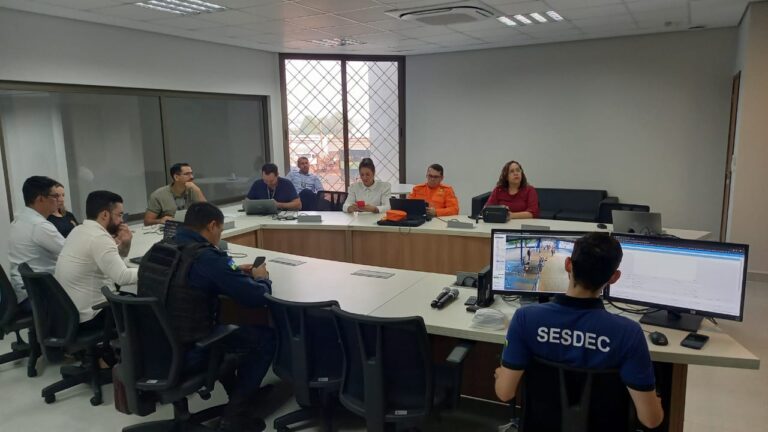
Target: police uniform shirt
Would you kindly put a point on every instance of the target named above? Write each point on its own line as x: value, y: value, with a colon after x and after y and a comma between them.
x: 580, y: 333
x: 215, y: 273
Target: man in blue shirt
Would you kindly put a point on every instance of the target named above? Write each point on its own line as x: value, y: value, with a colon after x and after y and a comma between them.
x: 576, y: 330
x: 214, y: 274
x: 302, y: 179
x: 272, y: 186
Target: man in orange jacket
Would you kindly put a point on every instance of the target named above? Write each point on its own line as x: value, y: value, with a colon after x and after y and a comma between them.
x: 440, y: 198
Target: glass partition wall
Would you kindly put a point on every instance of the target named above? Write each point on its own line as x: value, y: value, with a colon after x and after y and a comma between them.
x: 126, y: 140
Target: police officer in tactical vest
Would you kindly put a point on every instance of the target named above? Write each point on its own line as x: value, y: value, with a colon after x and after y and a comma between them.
x: 202, y: 274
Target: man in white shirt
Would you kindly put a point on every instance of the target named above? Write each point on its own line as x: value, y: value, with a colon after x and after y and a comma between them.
x: 32, y: 239
x: 92, y: 256
x: 302, y: 179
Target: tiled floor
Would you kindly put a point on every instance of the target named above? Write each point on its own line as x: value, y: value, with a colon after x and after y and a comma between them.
x: 718, y: 399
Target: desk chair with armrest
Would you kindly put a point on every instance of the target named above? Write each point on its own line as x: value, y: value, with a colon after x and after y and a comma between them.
x: 605, y: 214
x: 308, y: 356
x: 331, y: 200
x: 388, y: 375
x: 151, y: 365
x: 555, y: 398
x: 57, y: 325
x: 14, y: 320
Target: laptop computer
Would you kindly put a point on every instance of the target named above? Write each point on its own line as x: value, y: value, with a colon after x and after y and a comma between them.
x: 415, y: 209
x: 260, y: 206
x: 180, y: 215
x: 633, y: 222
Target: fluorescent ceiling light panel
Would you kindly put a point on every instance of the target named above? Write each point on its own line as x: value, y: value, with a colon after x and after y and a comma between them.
x: 537, y: 16
x: 337, y: 42
x: 523, y: 19
x: 181, y: 7
x: 554, y: 15
x: 506, y: 21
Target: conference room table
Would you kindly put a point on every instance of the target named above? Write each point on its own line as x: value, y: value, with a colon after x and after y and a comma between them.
x: 319, y: 261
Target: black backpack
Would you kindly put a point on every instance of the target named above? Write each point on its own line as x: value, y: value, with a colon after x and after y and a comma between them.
x: 163, y: 274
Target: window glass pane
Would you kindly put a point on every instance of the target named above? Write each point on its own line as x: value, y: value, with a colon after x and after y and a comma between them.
x: 373, y: 111
x: 223, y: 140
x: 85, y: 141
x: 315, y: 120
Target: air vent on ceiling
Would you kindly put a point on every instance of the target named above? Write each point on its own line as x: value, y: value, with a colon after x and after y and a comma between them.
x: 447, y: 14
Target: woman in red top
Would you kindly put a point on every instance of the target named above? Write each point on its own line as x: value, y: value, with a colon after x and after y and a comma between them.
x: 514, y: 192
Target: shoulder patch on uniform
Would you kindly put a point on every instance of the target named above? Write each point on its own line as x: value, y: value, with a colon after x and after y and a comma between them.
x: 232, y: 265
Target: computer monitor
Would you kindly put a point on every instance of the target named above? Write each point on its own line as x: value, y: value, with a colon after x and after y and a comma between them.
x: 530, y: 263
x: 684, y: 279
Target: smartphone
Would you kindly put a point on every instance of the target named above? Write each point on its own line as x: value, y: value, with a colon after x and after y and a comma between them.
x: 259, y: 261
x: 694, y: 340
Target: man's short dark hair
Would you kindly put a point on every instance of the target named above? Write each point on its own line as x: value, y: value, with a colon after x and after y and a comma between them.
x: 269, y: 168
x: 176, y: 168
x: 200, y: 214
x: 437, y: 167
x: 98, y: 201
x: 36, y: 186
x: 595, y: 258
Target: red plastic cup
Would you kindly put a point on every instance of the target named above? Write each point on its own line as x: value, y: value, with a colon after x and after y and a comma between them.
x: 360, y: 204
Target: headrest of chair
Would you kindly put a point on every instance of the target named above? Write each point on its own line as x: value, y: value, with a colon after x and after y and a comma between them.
x: 395, y: 215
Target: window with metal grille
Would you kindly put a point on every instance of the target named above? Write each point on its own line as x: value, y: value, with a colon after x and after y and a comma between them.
x: 338, y: 110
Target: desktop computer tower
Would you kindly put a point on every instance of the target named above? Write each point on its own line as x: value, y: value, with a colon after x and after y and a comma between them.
x: 484, y: 291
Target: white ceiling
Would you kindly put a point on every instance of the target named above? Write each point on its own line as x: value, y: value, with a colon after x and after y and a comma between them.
x: 288, y: 26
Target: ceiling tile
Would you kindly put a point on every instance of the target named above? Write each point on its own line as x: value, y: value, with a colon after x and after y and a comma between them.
x: 594, y: 12
x: 713, y: 13
x: 455, y: 39
x: 333, y: 6
x: 523, y: 8
x: 367, y: 15
x: 426, y: 31
x: 186, y: 23
x: 393, y: 24
x: 282, y: 11
x: 498, y: 34
x: 83, y: 4
x: 233, y: 17
x: 229, y: 31
x: 275, y: 27
x: 614, y: 21
x: 321, y: 21
x: 559, y: 5
x: 651, y: 5
x: 351, y: 30
x: 240, y: 4
x: 671, y: 18
x: 490, y: 23
x: 551, y: 28
x: 306, y: 35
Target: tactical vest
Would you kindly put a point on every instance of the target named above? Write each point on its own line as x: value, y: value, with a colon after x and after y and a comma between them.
x: 163, y: 274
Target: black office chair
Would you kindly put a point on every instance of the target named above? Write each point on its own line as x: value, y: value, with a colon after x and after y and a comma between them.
x: 308, y: 356
x: 478, y: 202
x: 57, y: 325
x: 14, y: 320
x: 151, y: 366
x: 605, y: 213
x: 331, y: 200
x: 308, y: 200
x: 388, y: 376
x: 555, y: 398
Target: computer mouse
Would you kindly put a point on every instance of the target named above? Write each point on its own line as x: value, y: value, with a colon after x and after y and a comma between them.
x: 658, y: 338
x: 602, y: 226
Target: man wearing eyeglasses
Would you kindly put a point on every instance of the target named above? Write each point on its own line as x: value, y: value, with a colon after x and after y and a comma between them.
x: 32, y: 238
x: 179, y: 195
x: 441, y: 199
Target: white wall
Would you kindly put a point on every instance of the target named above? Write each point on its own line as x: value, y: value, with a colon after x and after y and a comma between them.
x: 645, y: 118
x: 749, y: 201
x: 40, y: 48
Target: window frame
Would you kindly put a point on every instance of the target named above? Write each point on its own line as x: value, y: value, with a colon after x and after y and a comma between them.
x: 344, y: 58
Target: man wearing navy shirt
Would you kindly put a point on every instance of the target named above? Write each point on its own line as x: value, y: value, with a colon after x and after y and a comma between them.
x: 213, y: 273
x: 272, y: 186
x: 576, y: 330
